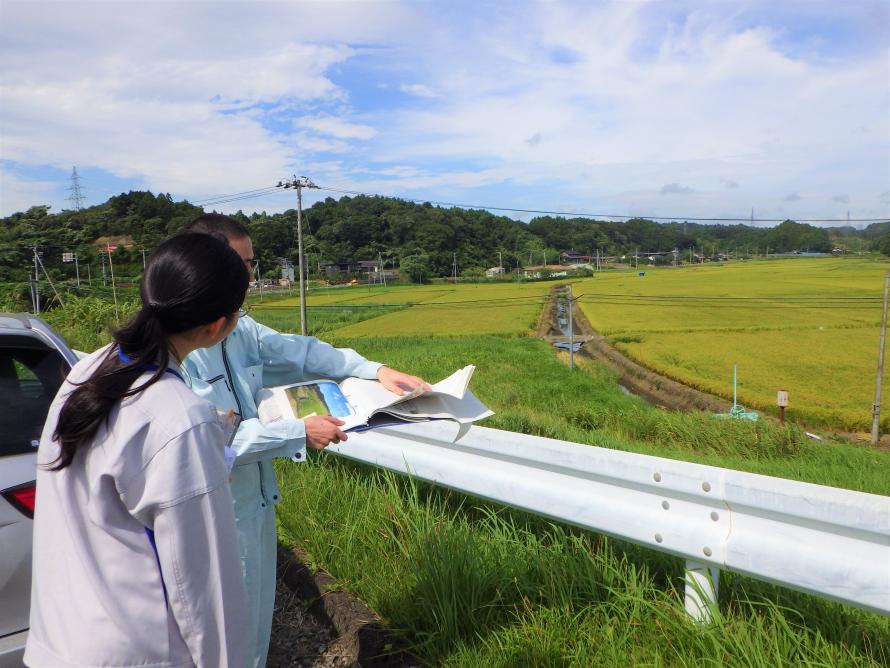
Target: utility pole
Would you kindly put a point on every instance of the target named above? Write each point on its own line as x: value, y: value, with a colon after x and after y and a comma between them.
x: 876, y: 406
x: 454, y: 269
x: 299, y: 184
x: 501, y: 261
x: 110, y: 249
x: 50, y: 281
x: 142, y: 250
x: 35, y: 285
x: 571, y: 332
x: 380, y: 263
x: 259, y: 279
x: 102, y: 256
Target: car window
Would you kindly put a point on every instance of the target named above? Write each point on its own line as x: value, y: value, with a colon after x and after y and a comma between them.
x: 30, y: 376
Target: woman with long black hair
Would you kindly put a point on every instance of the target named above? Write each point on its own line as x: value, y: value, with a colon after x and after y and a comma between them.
x: 135, y: 554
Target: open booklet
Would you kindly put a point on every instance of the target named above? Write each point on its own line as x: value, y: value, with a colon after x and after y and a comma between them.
x: 366, y: 404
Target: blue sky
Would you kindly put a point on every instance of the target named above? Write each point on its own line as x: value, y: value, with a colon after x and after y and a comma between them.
x: 667, y: 108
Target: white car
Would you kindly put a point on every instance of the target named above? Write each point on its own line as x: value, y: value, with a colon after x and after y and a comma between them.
x: 34, y: 361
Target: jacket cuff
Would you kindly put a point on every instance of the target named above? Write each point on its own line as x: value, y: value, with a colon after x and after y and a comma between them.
x: 368, y: 370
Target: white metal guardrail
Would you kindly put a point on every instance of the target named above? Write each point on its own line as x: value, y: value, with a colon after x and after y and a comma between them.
x: 826, y: 541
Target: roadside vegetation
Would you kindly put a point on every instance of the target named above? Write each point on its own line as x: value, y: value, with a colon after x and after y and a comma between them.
x: 469, y: 583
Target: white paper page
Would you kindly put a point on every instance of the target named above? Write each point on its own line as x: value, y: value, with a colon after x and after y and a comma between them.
x: 456, y: 384
x: 368, y: 395
x: 468, y: 409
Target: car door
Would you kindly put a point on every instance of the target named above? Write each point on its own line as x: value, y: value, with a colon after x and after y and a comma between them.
x: 31, y: 372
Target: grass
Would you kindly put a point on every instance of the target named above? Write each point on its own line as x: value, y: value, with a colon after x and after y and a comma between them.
x: 470, y: 583
x: 473, y: 584
x: 532, y: 391
x: 808, y: 326
x: 84, y: 322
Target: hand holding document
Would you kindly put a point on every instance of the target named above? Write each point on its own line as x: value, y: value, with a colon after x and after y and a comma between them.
x: 229, y: 422
x: 366, y: 404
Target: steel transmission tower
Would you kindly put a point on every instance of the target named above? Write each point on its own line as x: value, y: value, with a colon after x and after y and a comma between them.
x: 76, y: 195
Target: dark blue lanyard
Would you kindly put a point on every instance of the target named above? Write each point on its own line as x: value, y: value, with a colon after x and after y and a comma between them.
x: 148, y: 367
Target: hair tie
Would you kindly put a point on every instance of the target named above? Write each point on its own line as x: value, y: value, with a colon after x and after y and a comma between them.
x: 152, y: 308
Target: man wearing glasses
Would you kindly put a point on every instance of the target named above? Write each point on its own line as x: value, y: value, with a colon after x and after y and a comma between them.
x: 229, y: 375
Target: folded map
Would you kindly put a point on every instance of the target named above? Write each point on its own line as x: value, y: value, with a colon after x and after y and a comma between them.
x: 366, y: 404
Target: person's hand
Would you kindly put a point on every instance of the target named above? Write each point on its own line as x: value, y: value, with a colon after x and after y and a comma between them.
x: 398, y: 382
x: 322, y: 430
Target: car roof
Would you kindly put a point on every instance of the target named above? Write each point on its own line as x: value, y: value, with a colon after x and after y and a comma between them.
x: 25, y: 324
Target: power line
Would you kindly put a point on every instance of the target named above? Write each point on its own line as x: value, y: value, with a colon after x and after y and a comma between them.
x: 259, y: 192
x: 579, y: 214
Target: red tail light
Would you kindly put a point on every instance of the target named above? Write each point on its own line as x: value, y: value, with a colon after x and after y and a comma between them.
x: 22, y: 498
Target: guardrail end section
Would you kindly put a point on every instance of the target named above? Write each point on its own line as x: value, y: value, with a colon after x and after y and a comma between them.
x: 702, y: 582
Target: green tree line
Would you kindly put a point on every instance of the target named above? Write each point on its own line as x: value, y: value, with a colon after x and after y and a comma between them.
x: 425, y: 240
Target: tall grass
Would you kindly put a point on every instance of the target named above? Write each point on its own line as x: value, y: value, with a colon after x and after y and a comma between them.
x: 473, y: 584
x: 532, y: 392
x: 85, y: 322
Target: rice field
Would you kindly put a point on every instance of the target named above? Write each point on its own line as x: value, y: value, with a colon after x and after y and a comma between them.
x: 808, y: 326
x: 509, y: 309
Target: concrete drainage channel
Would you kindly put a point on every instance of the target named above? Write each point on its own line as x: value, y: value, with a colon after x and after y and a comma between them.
x: 319, y: 625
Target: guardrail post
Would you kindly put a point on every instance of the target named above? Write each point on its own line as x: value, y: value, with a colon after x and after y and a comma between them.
x: 702, y: 582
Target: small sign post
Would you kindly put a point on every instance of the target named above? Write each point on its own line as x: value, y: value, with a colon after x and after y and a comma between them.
x: 782, y: 402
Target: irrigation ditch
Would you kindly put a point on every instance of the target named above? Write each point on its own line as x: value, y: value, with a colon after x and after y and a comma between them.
x: 635, y: 378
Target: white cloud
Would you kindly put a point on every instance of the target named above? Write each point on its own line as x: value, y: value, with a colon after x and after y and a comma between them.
x: 594, y: 104
x: 336, y: 127
x: 675, y: 189
x: 20, y: 194
x: 417, y: 89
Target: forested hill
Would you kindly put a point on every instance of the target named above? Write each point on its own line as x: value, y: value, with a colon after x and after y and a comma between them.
x: 360, y: 228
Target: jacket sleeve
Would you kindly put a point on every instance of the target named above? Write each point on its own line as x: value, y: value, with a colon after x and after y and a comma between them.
x: 291, y: 358
x: 183, y: 497
x: 256, y: 441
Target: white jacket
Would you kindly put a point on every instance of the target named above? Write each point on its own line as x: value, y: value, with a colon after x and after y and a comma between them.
x: 135, y: 554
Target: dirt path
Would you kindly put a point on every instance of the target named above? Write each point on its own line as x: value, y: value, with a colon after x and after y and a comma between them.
x: 651, y: 386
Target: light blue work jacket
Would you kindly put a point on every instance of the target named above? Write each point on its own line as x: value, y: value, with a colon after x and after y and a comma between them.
x: 229, y: 374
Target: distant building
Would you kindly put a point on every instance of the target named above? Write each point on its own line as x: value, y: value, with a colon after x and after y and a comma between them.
x: 573, y: 257
x: 556, y: 270
x: 494, y: 271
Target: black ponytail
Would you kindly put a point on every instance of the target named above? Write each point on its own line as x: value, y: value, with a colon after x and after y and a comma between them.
x: 190, y: 280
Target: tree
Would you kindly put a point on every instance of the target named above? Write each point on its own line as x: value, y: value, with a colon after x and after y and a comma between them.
x: 416, y: 268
